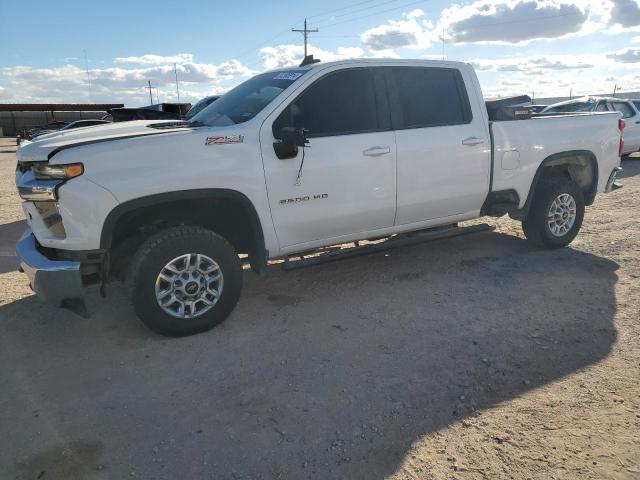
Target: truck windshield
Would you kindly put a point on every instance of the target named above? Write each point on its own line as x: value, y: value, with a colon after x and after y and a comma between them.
x: 572, y: 107
x: 247, y: 99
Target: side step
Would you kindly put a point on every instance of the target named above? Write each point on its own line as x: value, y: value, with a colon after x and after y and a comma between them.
x: 396, y: 241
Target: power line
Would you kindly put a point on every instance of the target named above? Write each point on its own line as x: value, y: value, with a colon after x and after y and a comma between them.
x: 368, y: 7
x: 327, y: 12
x: 372, y: 14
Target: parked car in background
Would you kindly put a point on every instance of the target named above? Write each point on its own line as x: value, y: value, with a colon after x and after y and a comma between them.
x: 42, y: 129
x: 84, y: 123
x: 291, y: 161
x: 628, y: 108
x: 537, y: 108
x: 200, y: 105
x: 62, y: 126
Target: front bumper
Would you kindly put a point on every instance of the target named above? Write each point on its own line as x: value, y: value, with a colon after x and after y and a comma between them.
x: 54, y: 281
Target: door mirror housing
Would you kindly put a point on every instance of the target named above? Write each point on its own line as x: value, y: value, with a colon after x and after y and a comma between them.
x: 290, y: 138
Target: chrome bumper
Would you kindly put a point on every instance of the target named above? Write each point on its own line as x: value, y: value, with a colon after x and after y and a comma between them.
x: 52, y: 280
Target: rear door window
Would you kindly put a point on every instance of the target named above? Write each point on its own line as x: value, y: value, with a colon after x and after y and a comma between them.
x: 340, y: 103
x: 428, y: 97
x: 624, y: 108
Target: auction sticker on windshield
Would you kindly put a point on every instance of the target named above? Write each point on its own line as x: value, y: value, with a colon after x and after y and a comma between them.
x: 287, y: 76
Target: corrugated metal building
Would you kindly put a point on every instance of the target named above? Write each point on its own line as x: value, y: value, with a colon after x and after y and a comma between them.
x: 15, y: 117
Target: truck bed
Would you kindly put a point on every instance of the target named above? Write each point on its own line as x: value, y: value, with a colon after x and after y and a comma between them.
x: 519, y: 147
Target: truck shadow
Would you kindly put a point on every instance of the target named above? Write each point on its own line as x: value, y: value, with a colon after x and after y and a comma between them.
x: 630, y: 166
x: 328, y: 372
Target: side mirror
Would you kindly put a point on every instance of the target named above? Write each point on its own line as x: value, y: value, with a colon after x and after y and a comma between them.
x: 290, y: 139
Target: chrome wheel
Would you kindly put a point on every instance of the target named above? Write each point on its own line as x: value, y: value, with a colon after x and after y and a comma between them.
x: 561, y: 215
x: 189, y: 285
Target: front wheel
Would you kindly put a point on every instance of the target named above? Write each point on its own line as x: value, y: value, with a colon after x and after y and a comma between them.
x: 185, y: 280
x: 556, y: 213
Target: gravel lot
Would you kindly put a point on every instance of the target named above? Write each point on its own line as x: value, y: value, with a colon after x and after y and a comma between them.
x: 477, y: 357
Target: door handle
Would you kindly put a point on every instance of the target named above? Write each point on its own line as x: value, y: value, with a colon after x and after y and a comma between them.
x: 471, y: 141
x: 376, y: 151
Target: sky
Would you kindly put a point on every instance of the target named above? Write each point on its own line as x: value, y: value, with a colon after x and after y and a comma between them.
x: 90, y: 51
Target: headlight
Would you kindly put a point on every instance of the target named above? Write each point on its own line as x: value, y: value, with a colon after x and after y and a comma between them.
x: 57, y: 172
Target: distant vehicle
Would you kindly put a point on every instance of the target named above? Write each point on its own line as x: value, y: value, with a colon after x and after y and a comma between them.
x: 84, y: 123
x: 537, y: 108
x: 629, y: 109
x: 200, y: 105
x: 158, y: 111
x: 42, y: 129
x: 61, y: 126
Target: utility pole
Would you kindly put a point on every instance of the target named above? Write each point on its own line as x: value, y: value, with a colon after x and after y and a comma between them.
x: 615, y: 88
x: 305, y: 31
x: 150, y: 95
x: 175, y: 69
x: 86, y: 64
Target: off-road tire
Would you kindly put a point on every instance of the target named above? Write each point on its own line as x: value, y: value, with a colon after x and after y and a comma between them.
x: 536, y: 226
x: 156, y: 252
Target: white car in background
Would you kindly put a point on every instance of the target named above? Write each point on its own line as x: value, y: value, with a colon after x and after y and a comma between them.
x: 630, y: 110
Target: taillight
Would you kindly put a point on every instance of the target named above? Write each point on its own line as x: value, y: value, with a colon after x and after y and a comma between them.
x: 621, y: 125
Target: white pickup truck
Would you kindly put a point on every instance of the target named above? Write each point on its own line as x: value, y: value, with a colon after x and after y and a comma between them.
x: 291, y: 161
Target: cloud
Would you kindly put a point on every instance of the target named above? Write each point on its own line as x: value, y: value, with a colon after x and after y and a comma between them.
x: 627, y: 55
x: 68, y: 83
x: 281, y: 56
x: 625, y: 13
x: 410, y: 32
x: 155, y: 59
x: 533, y: 65
x: 513, y: 21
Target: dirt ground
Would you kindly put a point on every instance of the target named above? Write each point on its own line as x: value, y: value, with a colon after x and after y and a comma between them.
x: 478, y: 357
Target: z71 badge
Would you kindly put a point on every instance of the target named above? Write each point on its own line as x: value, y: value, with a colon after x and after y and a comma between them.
x: 224, y: 139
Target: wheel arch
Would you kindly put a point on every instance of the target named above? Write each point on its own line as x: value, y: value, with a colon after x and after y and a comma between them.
x: 178, y: 207
x: 580, y: 165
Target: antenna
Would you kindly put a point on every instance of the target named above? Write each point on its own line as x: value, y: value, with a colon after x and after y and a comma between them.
x: 175, y: 70
x: 305, y: 31
x: 150, y: 95
x: 86, y: 64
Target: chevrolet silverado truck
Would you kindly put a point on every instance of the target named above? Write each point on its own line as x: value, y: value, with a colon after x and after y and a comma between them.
x: 290, y: 161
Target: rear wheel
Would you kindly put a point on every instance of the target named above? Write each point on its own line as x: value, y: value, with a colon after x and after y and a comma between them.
x: 556, y: 213
x: 185, y: 280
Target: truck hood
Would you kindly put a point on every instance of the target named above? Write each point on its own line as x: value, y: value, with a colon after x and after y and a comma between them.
x: 41, y: 148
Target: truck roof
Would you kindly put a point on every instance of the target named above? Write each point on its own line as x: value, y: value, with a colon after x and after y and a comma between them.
x: 365, y: 61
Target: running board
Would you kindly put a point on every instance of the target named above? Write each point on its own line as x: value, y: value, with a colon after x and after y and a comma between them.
x: 402, y: 240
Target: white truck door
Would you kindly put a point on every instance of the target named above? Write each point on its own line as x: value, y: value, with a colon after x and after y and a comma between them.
x: 347, y: 181
x: 442, y: 136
